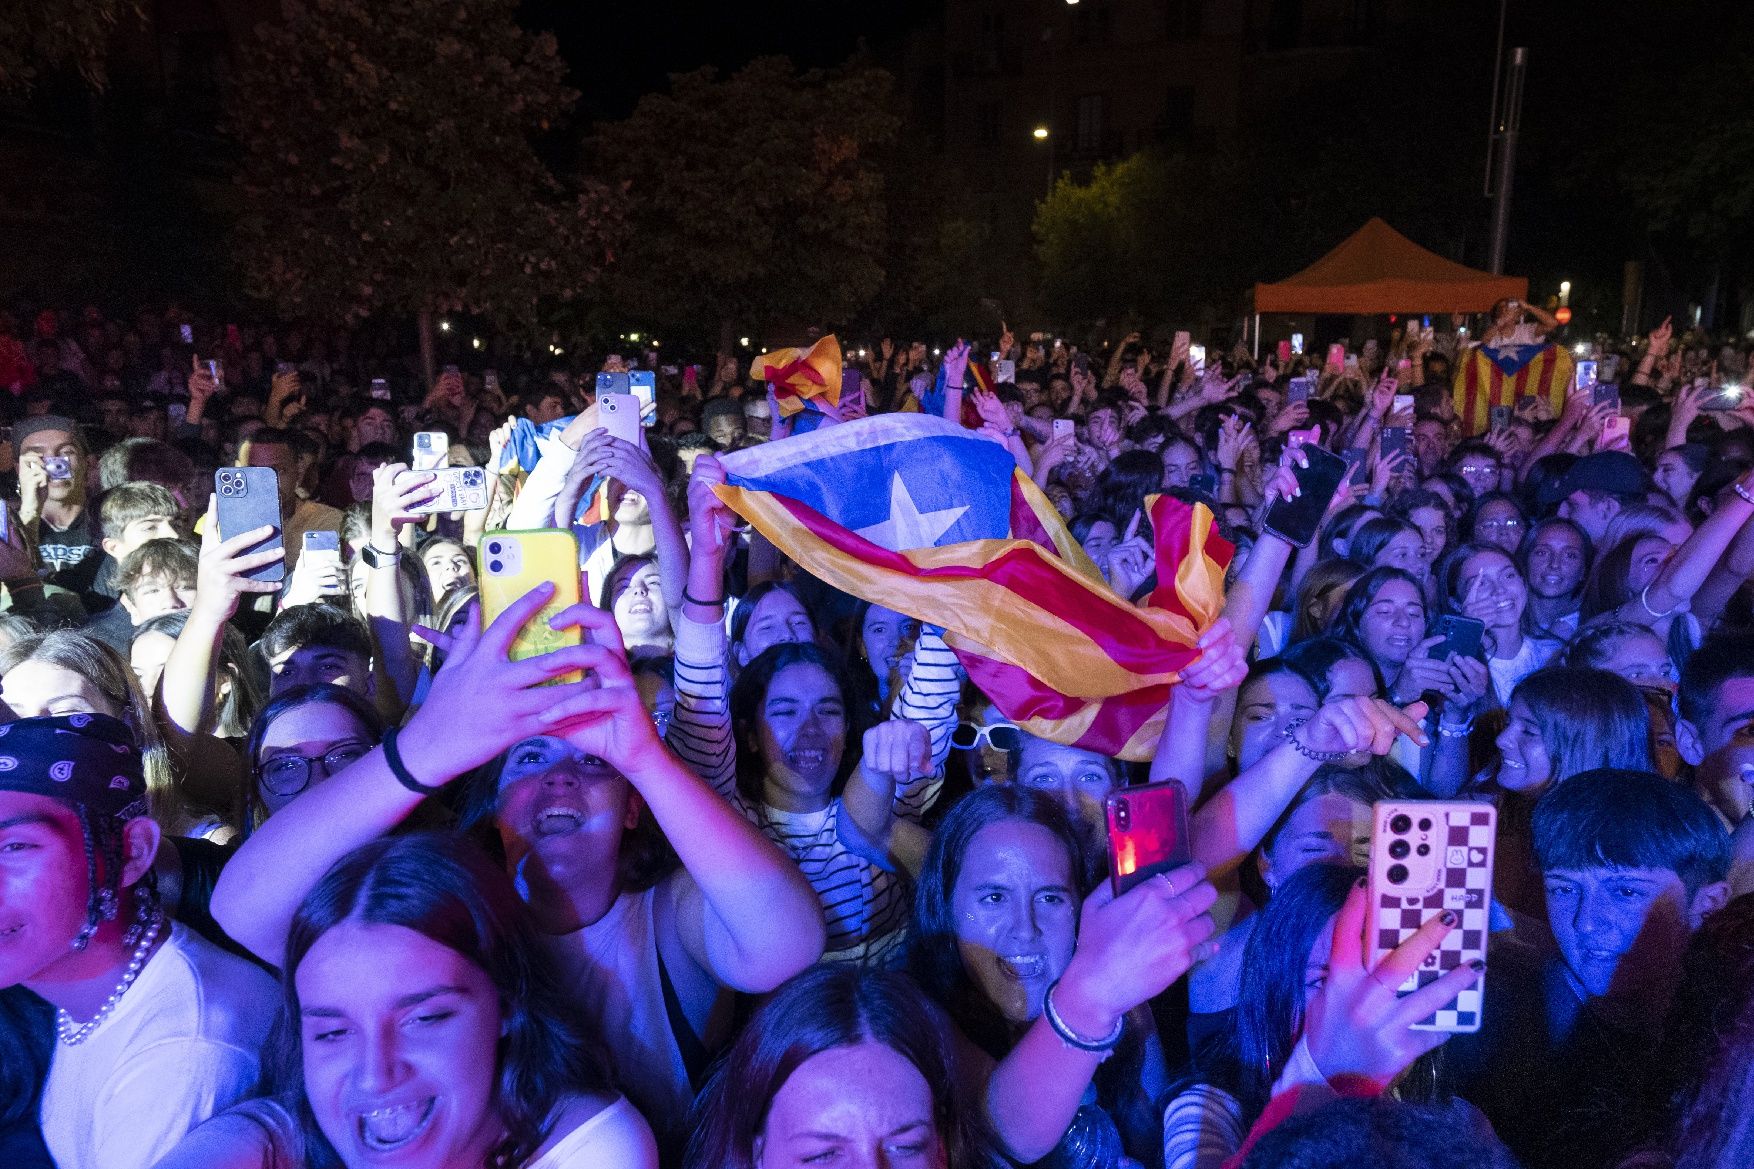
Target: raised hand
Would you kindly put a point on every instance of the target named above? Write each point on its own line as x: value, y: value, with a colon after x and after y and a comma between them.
x: 1358, y: 1025
x: 603, y: 454
x: 711, y: 523
x: 1359, y: 726
x: 220, y: 579
x: 396, y: 492
x: 1421, y: 672
x: 1219, y: 668
x: 1133, y: 947
x: 956, y: 364
x: 898, y: 750
x: 606, y: 718
x: 1661, y: 336
x: 991, y: 410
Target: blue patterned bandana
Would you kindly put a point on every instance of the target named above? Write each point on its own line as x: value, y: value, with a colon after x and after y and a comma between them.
x: 86, y: 759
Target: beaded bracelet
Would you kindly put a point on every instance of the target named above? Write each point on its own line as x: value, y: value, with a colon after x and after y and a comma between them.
x: 1070, y: 1037
x: 1306, y: 751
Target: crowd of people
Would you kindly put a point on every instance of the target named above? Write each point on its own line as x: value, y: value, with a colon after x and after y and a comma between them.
x: 310, y: 868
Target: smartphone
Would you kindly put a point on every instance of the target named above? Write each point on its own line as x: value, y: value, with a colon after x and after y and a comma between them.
x: 513, y: 563
x: 1205, y: 483
x: 490, y: 379
x: 285, y: 367
x: 1197, y: 357
x: 1427, y: 856
x: 57, y: 467
x: 1296, y: 519
x: 1354, y: 456
x: 1299, y: 389
x: 1182, y: 340
x: 1081, y: 362
x: 1005, y: 371
x: 324, y: 548
x: 1526, y: 402
x: 1396, y: 440
x: 643, y: 384
x: 1616, y: 431
x: 1284, y: 354
x: 460, y: 489
x: 380, y: 390
x: 1610, y: 367
x: 618, y: 414
x: 249, y: 498
x: 1606, y: 393
x: 613, y: 382
x: 1336, y: 355
x: 1064, y: 426
x: 1586, y: 374
x: 187, y: 332
x: 216, y: 370
x: 1297, y: 343
x: 1461, y: 635
x: 1500, y: 416
x: 1147, y: 833
x: 432, y: 448
x: 1723, y: 398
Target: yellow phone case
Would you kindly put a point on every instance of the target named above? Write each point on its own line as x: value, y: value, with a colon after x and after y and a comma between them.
x: 513, y: 563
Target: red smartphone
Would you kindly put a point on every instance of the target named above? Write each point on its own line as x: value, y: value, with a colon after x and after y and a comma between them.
x: 1284, y: 354
x: 1147, y: 833
x: 1336, y: 355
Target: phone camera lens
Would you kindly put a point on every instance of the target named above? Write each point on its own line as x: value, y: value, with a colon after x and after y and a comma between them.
x: 1397, y: 874
x: 493, y: 548
x: 1401, y: 824
x: 1399, y: 850
x: 1424, y: 850
x: 1424, y: 824
x: 494, y: 566
x: 1121, y: 815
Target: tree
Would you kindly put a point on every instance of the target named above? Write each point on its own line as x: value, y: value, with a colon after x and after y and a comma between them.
x: 389, y: 165
x: 755, y: 200
x: 56, y: 34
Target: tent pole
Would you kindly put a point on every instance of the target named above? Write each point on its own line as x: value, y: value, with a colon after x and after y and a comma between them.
x: 1257, y: 336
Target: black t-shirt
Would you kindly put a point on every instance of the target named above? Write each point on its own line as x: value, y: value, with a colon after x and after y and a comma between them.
x: 70, y: 556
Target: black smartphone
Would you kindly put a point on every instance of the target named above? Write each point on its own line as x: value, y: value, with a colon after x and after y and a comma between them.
x: 1463, y: 636
x: 1606, y: 394
x: 1204, y: 483
x: 1500, y: 416
x: 1396, y: 440
x: 1296, y: 519
x: 249, y: 498
x: 1147, y: 833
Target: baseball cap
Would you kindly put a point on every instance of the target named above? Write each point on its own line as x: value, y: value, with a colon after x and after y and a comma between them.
x: 1615, y: 472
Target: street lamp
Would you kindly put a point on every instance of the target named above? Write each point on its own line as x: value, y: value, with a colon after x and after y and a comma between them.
x: 1041, y: 133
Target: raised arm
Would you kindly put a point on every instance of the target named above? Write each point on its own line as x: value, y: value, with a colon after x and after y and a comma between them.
x: 1693, y: 561
x: 386, y: 609
x: 893, y: 753
x: 745, y: 911
x: 480, y: 703
x: 632, y: 466
x: 700, y: 727
x: 1181, y: 750
x: 1239, y: 816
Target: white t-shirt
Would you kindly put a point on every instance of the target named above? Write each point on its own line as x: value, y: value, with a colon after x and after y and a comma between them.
x: 616, y: 1138
x: 183, y: 1044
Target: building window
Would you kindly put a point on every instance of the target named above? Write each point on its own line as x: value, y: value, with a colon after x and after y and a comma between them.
x: 1089, y: 135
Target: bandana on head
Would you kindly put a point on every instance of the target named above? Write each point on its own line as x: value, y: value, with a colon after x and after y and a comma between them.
x: 86, y: 759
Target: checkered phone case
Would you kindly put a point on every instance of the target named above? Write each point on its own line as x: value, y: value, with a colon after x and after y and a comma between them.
x: 1427, y: 856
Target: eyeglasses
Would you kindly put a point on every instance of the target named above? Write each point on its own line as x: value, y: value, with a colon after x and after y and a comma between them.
x: 1499, y: 525
x: 1001, y: 736
x: 289, y: 774
x: 1479, y: 469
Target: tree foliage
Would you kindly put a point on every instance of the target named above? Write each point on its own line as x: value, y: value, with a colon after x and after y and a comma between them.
x: 38, y: 34
x: 389, y: 164
x: 755, y: 199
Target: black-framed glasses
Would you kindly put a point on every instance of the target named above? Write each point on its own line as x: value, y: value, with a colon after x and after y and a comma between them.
x: 1002, y: 736
x: 289, y: 773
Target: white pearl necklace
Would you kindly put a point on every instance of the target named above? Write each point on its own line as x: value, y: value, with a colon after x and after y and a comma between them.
x: 72, y: 1033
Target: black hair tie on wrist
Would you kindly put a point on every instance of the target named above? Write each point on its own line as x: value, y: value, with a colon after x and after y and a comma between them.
x: 400, y: 770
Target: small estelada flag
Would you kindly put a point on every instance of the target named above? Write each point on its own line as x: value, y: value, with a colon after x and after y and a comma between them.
x: 797, y: 375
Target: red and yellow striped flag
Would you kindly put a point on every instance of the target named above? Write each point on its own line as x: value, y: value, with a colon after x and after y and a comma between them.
x: 1498, y: 377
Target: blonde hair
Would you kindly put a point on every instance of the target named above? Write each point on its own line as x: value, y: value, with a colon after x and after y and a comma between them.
x: 105, y: 669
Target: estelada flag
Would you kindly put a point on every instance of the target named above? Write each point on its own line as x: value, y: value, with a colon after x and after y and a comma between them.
x: 1499, y: 376
x: 798, y: 374
x: 924, y: 517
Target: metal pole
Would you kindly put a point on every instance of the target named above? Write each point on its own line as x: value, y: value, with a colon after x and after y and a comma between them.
x: 1257, y: 336
x: 1507, y: 132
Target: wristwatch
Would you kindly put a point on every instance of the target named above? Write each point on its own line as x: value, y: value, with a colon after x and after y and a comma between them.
x: 376, y: 559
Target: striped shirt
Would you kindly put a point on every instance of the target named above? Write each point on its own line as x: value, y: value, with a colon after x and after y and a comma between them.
x: 1202, y: 1128
x: 864, y: 901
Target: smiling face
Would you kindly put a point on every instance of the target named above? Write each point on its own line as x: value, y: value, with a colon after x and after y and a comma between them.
x: 554, y: 798
x: 859, y: 1106
x: 1181, y: 462
x: 638, y: 605
x: 1264, y: 709
x: 1016, y: 910
x: 778, y: 617
x: 1621, y: 931
x: 1674, y: 477
x: 398, y: 1037
x: 1405, y: 551
x: 1393, y: 623
x: 447, y: 567
x: 1492, y: 590
x: 883, y: 633
x: 1500, y: 525
x: 802, y: 731
x: 1524, y: 765
x: 1433, y: 527
x: 1556, y: 562
x: 1100, y: 541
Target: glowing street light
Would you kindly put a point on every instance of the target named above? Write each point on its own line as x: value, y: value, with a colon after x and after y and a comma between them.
x: 1040, y: 133
x: 743, y: 341
x: 444, y: 326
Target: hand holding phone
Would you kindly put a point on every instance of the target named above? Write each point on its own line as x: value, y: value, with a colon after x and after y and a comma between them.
x: 619, y: 414
x: 513, y: 563
x: 248, y: 498
x: 1295, y: 520
x: 1147, y: 833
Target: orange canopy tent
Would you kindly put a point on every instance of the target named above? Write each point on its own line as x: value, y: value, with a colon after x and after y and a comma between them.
x: 1378, y: 270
